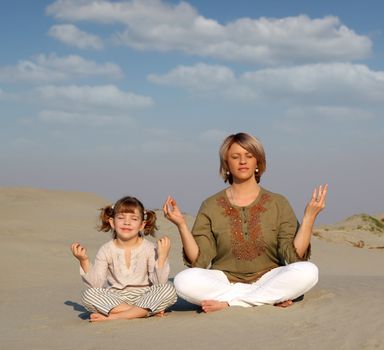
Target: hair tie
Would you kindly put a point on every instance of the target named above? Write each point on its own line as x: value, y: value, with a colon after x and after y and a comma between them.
x: 145, y: 215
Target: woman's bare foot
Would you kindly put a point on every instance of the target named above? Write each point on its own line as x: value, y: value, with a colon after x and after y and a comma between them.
x: 213, y: 305
x: 285, y: 303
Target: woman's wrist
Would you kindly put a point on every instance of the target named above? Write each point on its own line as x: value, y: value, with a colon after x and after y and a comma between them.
x: 182, y: 226
x: 309, y: 218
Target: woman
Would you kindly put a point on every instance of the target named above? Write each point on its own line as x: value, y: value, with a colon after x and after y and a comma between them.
x: 246, y: 247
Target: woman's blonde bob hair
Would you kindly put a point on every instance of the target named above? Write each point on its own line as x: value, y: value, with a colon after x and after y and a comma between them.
x: 249, y: 143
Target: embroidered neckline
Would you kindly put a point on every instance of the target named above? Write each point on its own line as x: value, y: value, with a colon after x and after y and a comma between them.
x: 246, y: 247
x: 261, y: 192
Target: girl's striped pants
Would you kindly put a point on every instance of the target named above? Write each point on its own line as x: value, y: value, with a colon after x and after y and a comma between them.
x: 155, y: 298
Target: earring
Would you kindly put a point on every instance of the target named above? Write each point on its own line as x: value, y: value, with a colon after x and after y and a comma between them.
x: 227, y: 173
x: 257, y: 170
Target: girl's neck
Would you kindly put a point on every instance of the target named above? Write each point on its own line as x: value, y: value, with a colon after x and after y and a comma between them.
x: 131, y: 243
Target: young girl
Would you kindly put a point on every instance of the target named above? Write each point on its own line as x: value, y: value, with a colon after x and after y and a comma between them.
x: 130, y: 274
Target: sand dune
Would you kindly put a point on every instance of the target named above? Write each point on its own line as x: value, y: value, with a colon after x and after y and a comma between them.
x: 40, y: 286
x: 361, y: 231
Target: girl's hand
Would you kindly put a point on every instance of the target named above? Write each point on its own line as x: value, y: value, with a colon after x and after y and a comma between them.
x: 79, y: 251
x: 172, y: 212
x: 163, y: 248
x: 317, y: 202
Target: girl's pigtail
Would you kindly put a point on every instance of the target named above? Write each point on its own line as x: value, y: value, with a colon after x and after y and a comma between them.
x: 150, y: 223
x: 105, y: 214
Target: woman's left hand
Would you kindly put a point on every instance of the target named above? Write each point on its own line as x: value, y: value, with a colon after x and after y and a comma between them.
x: 317, y: 202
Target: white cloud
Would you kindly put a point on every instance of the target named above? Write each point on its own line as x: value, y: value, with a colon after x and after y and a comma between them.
x: 214, y: 136
x: 24, y: 143
x: 79, y: 118
x: 71, y: 35
x: 156, y: 25
x: 308, y: 118
x: 332, y: 113
x: 334, y: 83
x: 75, y: 96
x: 167, y: 147
x: 50, y: 68
x: 198, y: 77
x: 337, y: 83
x: 165, y: 142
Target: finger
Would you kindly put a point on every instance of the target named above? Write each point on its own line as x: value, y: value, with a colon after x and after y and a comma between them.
x: 167, y: 210
x: 325, y: 191
x: 322, y: 194
x: 76, y: 248
x: 314, y: 195
x: 166, y: 241
x: 171, y: 203
x: 165, y: 205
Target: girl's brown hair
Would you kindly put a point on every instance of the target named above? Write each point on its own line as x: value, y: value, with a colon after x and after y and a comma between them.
x: 248, y: 142
x: 127, y: 205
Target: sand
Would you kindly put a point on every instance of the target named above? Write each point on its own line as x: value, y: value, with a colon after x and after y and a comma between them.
x: 40, y: 287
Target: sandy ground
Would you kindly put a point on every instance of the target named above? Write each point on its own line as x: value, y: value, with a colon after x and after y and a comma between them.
x: 40, y: 287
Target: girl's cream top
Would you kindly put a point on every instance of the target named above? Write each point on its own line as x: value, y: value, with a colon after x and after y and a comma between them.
x: 111, y: 270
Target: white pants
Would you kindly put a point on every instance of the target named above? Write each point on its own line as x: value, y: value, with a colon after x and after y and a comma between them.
x: 278, y: 285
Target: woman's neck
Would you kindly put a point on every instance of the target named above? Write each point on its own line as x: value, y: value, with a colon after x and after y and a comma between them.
x: 244, y: 193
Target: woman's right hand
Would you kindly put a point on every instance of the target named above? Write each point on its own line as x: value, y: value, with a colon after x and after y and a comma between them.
x: 172, y: 212
x: 79, y: 252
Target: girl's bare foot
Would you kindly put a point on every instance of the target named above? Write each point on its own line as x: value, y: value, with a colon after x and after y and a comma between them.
x: 96, y: 317
x: 285, y: 303
x: 160, y: 314
x: 213, y: 305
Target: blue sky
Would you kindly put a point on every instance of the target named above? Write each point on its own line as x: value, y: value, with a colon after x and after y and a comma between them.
x: 135, y: 97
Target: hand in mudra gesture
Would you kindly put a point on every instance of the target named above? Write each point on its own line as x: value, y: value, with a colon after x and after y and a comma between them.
x: 317, y: 202
x: 79, y: 252
x: 172, y: 212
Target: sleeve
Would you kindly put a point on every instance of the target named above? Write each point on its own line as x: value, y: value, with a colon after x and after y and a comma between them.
x: 97, y: 274
x: 157, y: 275
x: 288, y: 227
x: 202, y: 232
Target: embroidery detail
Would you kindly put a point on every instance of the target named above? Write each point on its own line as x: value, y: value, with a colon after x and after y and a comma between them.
x: 253, y: 245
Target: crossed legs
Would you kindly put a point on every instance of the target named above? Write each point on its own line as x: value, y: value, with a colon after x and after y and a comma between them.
x: 212, y: 290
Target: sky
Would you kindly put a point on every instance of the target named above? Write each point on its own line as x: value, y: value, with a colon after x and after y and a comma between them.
x: 135, y: 97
